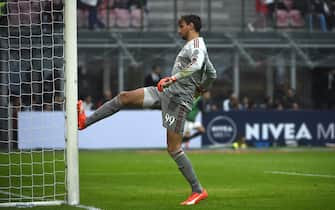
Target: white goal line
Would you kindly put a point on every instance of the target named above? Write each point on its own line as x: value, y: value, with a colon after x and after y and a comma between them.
x: 87, y: 207
x: 42, y: 203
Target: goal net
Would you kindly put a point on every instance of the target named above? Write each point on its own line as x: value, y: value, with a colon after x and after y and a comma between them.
x: 33, y: 158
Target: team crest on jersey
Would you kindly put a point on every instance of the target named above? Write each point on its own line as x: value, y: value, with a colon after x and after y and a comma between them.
x: 196, y: 52
x: 195, y: 55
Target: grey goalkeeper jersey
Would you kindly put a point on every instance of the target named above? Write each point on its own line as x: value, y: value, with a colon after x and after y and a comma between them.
x: 193, y: 70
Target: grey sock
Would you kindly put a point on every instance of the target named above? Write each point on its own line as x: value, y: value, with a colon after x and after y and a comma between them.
x: 186, y: 169
x: 107, y: 109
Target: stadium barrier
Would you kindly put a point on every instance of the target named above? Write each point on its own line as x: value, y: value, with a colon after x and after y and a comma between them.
x: 265, y: 128
x: 143, y: 129
x: 126, y: 129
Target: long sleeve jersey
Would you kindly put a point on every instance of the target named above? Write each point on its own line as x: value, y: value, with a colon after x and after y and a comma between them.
x: 193, y: 70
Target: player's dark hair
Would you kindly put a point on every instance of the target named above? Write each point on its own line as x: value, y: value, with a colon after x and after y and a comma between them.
x: 195, y: 19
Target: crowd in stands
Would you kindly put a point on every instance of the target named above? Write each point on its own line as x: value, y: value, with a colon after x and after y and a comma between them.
x: 111, y: 13
x: 33, y: 94
x: 316, y: 14
x: 284, y: 99
x: 101, y: 14
x: 94, y: 14
x: 25, y: 12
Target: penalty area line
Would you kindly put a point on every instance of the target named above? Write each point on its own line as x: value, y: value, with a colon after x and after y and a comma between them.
x: 299, y: 174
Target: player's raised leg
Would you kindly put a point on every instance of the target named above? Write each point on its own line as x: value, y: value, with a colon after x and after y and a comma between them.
x: 132, y: 98
x: 174, y: 141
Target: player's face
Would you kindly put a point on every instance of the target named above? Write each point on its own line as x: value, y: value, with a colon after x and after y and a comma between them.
x: 184, y: 29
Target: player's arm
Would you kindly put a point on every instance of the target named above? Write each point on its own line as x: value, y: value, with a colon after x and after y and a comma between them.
x: 210, y: 76
x: 197, y: 60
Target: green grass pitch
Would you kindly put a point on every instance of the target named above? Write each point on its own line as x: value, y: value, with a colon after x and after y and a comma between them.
x: 252, y: 179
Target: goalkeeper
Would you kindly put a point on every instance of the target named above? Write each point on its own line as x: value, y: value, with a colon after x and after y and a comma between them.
x: 192, y: 73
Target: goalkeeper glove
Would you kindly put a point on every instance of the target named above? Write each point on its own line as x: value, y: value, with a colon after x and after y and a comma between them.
x: 165, y: 82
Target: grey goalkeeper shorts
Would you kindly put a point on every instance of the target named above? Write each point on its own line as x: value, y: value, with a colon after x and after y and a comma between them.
x: 173, y: 114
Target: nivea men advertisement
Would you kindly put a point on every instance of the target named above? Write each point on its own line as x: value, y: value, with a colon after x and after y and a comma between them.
x: 312, y: 128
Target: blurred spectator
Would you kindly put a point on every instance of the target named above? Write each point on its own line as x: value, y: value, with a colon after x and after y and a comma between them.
x: 106, y: 13
x: 138, y: 8
x: 290, y: 99
x: 319, y: 10
x: 280, y: 92
x: 279, y: 106
x: 268, y: 103
x: 288, y: 14
x: 230, y: 103
x: 245, y: 105
x: 208, y: 104
x: 139, y: 4
x: 262, y: 13
x: 93, y: 20
x: 154, y: 76
x: 295, y: 106
x: 82, y: 15
x: 106, y: 97
x: 271, y: 5
x: 253, y: 105
x: 122, y: 15
x: 88, y: 104
x: 279, y: 97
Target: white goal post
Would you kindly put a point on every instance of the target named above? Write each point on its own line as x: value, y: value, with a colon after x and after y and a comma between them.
x: 71, y: 101
x: 38, y: 80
